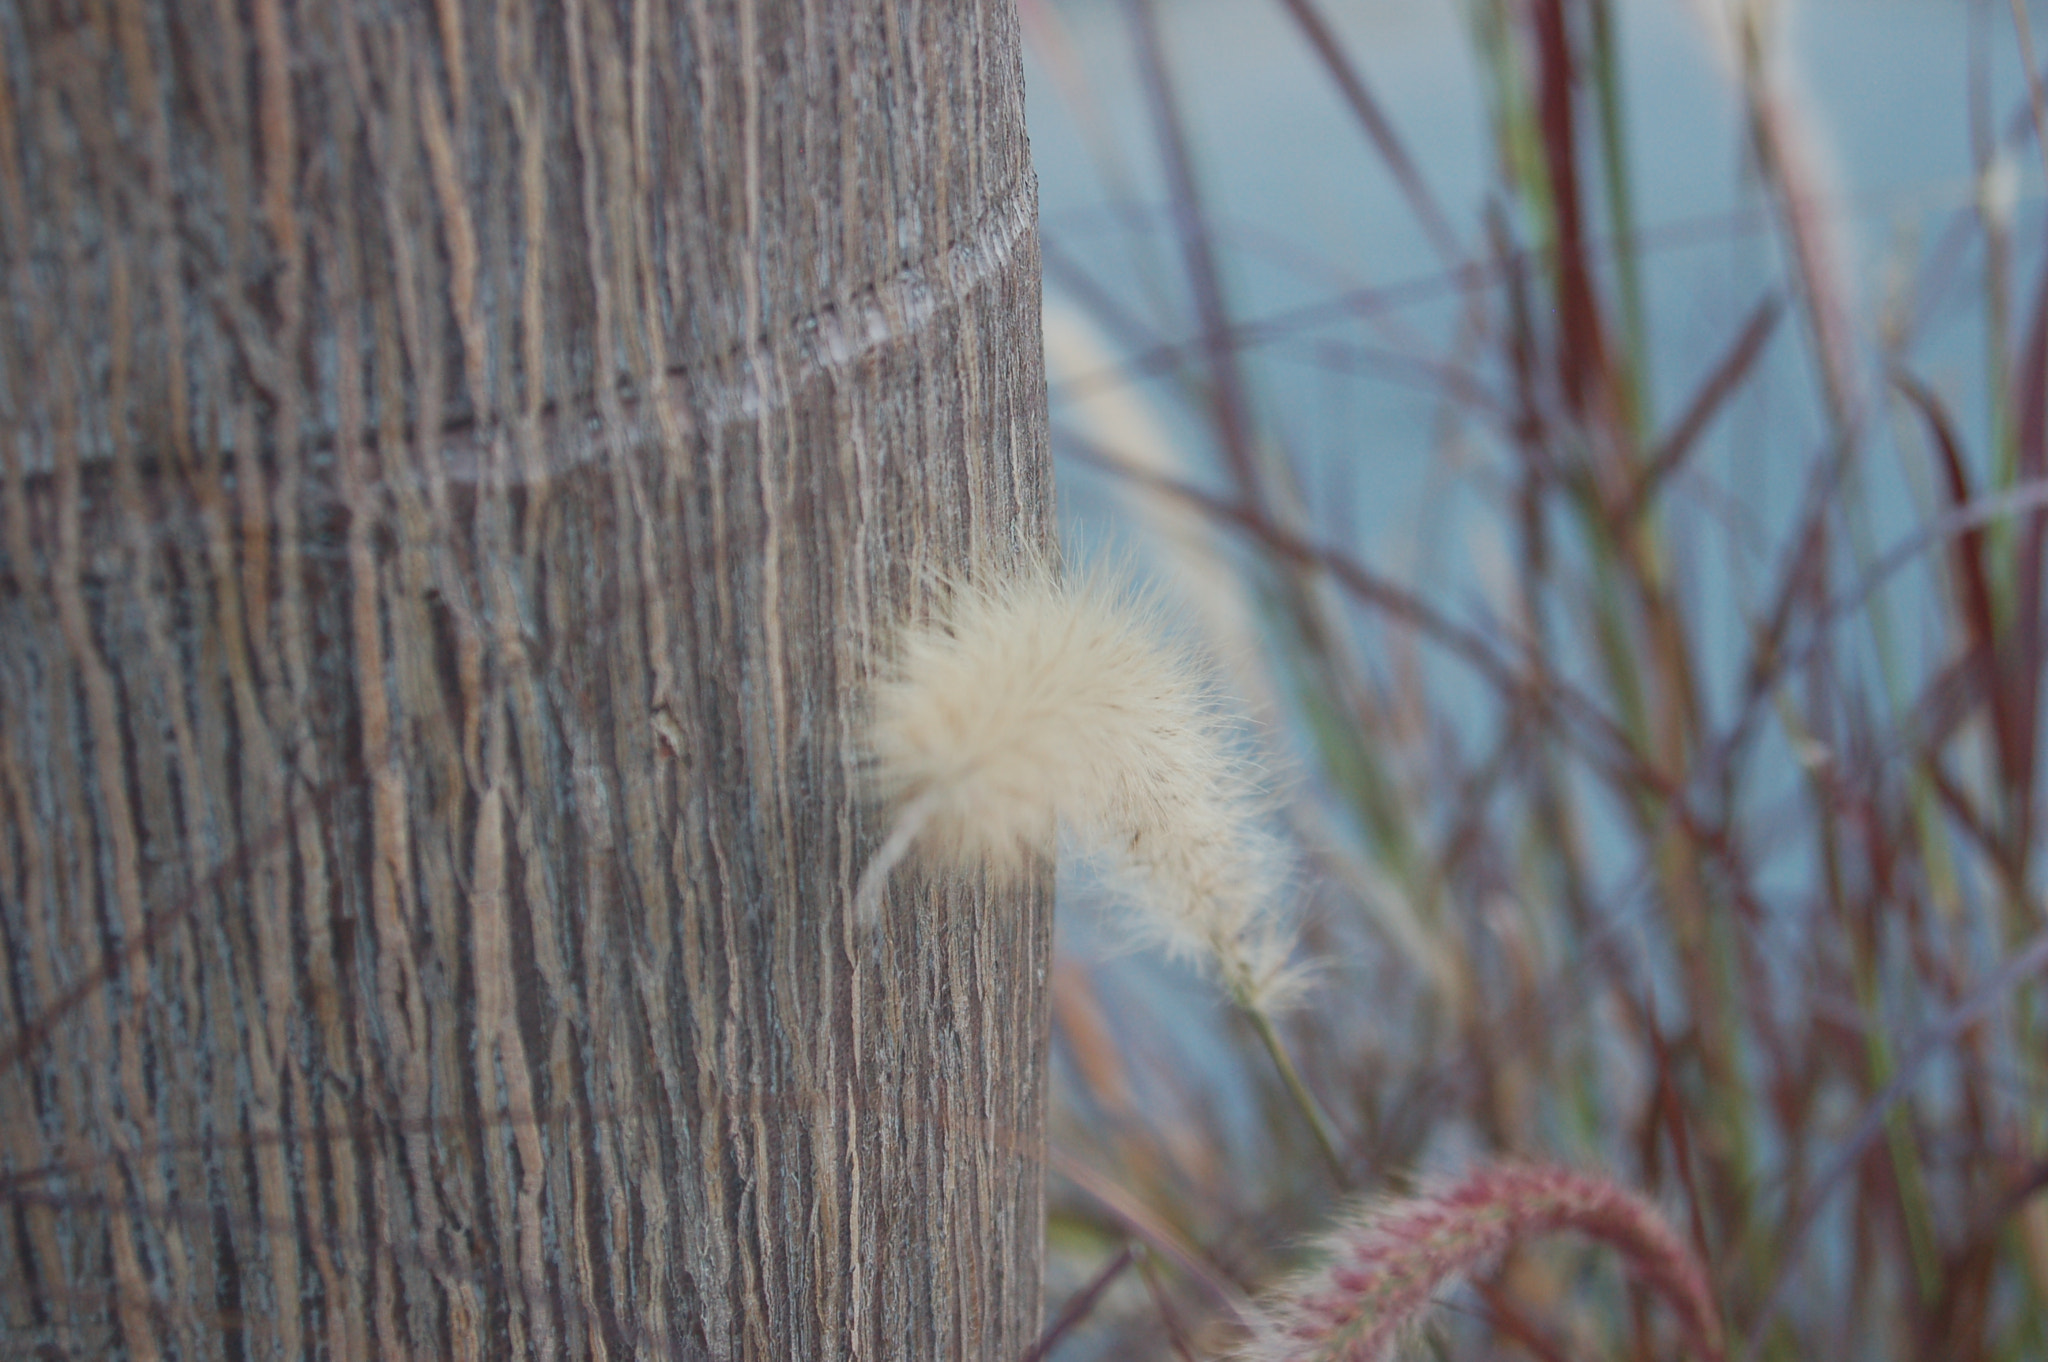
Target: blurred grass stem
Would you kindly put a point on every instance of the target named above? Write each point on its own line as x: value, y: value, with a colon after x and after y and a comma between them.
x: 1304, y: 1100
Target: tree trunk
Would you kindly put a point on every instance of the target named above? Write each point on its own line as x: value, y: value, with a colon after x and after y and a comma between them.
x: 459, y: 463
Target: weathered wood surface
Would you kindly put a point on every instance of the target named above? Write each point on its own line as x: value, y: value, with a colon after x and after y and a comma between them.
x: 458, y: 461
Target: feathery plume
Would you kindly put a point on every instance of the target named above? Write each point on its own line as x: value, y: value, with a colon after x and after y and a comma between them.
x: 1028, y: 702
x: 1386, y: 1265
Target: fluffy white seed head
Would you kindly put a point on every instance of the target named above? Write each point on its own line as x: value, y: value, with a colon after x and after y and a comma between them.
x: 1026, y: 703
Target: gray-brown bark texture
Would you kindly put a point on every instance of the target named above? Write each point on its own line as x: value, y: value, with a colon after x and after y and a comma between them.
x: 460, y: 460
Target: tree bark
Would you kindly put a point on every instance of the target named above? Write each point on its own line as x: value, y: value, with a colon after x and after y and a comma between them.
x: 460, y: 461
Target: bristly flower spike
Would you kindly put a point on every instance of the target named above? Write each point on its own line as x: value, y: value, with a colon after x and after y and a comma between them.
x: 1384, y: 1267
x: 1026, y: 703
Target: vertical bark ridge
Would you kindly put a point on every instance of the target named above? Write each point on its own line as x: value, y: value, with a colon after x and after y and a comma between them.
x: 457, y: 467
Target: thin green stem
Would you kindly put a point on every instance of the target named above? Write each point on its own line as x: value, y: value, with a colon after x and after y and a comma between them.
x: 1318, y: 1122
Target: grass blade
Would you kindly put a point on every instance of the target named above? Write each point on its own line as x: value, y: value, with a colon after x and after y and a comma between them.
x: 1378, y: 128
x: 1721, y: 383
